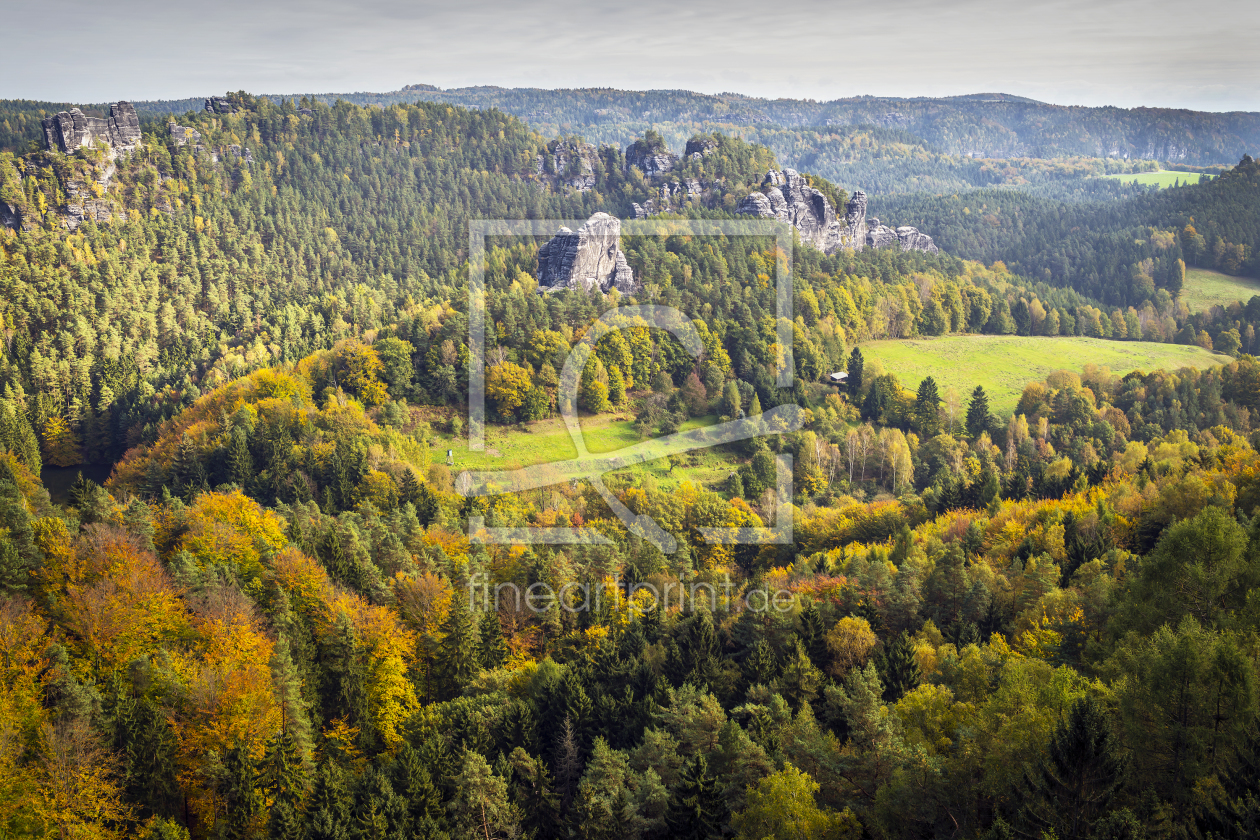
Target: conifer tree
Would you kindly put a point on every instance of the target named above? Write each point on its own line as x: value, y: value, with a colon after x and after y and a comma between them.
x: 283, y: 772
x: 926, y: 404
x: 1073, y: 785
x: 696, y: 811
x: 241, y: 800
x: 856, y: 365
x: 978, y: 412
x: 900, y: 670
x: 760, y: 667
x: 458, y: 657
x: 494, y: 650
x: 812, y: 634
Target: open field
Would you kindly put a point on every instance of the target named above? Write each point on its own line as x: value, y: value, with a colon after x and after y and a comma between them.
x: 548, y: 441
x: 1162, y: 178
x: 1205, y: 288
x: 1005, y: 364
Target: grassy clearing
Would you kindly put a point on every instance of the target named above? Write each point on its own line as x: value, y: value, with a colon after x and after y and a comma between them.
x: 1005, y: 364
x: 548, y: 441
x: 1163, y: 178
x: 1205, y: 288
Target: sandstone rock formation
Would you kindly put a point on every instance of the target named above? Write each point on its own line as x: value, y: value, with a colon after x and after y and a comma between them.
x: 9, y: 216
x: 70, y: 130
x: 221, y: 105
x: 184, y: 136
x: 912, y: 240
x: 853, y: 231
x: 588, y: 258
x: 651, y: 161
x: 787, y: 197
x: 573, y: 163
x: 698, y: 147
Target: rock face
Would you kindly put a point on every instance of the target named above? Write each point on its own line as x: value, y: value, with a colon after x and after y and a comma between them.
x: 698, y: 147
x: 221, y: 105
x: 650, y: 161
x: 184, y: 136
x: 787, y: 197
x: 588, y: 258
x: 70, y: 130
x: 853, y: 232
x: 912, y: 240
x: 9, y: 216
x: 574, y: 164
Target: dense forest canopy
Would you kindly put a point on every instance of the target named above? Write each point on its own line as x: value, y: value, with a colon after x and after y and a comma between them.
x: 274, y: 620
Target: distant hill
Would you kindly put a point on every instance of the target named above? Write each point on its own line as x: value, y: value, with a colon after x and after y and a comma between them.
x: 880, y: 144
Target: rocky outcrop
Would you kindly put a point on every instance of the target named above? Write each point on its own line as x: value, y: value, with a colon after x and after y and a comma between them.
x: 221, y: 105
x: 589, y: 258
x: 573, y: 164
x: 912, y: 240
x: 184, y: 136
x: 698, y: 147
x: 853, y: 229
x: 70, y: 130
x: 879, y: 235
x: 787, y: 197
x: 9, y: 216
x: 651, y: 161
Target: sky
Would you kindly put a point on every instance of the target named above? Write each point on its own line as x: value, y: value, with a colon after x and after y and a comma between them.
x: 1073, y: 52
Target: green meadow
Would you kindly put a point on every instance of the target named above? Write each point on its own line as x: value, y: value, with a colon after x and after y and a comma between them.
x: 1005, y: 364
x: 1205, y: 288
x: 1162, y: 178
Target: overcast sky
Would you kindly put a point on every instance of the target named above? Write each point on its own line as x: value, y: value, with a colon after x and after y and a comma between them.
x: 1087, y: 52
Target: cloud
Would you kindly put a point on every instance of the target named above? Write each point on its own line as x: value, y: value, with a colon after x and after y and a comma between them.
x: 1117, y: 52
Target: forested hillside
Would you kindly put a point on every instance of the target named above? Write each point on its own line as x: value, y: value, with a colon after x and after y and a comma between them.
x: 275, y: 619
x: 1096, y: 247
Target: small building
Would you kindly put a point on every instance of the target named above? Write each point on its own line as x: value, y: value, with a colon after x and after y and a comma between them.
x: 838, y: 378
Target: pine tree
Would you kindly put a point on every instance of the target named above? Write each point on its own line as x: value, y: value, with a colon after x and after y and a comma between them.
x: 812, y: 635
x: 413, y: 782
x: 978, y: 413
x: 458, y: 661
x: 283, y: 775
x: 1073, y: 785
x: 760, y: 667
x: 494, y: 650
x: 926, y: 405
x: 900, y: 670
x: 329, y: 811
x: 426, y: 505
x: 240, y: 461
x: 283, y: 822
x: 856, y: 365
x: 241, y: 800
x: 696, y: 811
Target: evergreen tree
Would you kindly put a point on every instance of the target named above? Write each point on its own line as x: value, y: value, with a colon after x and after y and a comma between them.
x: 856, y: 365
x: 696, y: 810
x: 240, y: 461
x: 283, y: 776
x: 283, y: 822
x: 926, y: 407
x: 899, y: 670
x: 458, y: 658
x: 760, y: 668
x: 812, y: 634
x: 328, y: 815
x: 494, y: 650
x: 242, y: 803
x: 978, y: 413
x: 1072, y: 787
